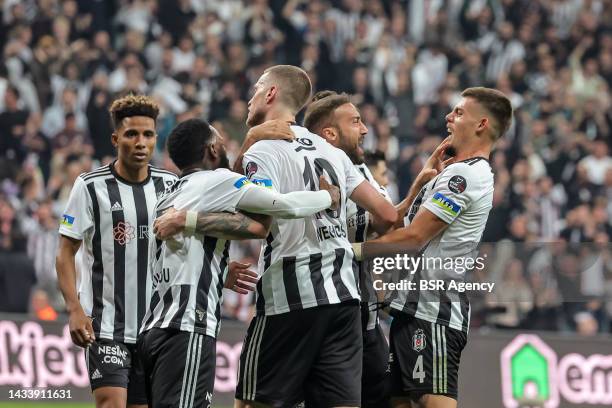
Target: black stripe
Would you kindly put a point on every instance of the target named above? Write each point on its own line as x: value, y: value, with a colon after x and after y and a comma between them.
x: 268, y: 251
x: 160, y: 187
x: 465, y: 310
x: 153, y: 304
x: 444, y: 309
x: 142, y: 247
x: 316, y: 278
x: 341, y: 289
x: 222, y: 266
x: 167, y: 301
x: 291, y: 284
x: 97, y: 269
x: 94, y: 176
x: 184, y: 293
x: 361, y: 276
x: 209, y: 245
x: 118, y: 259
x: 261, y: 302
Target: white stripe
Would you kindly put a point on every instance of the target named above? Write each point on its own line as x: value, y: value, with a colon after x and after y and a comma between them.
x: 87, y: 358
x: 247, y: 359
x: 440, y: 365
x: 192, y: 368
x: 130, y: 260
x: 435, y: 360
x: 186, y: 371
x: 196, y: 369
x: 444, y: 371
x: 257, y: 358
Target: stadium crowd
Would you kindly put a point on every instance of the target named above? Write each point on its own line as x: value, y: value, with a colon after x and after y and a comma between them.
x: 404, y: 63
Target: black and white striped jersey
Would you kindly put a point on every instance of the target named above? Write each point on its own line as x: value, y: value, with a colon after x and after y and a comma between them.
x: 112, y: 217
x: 188, y: 271
x: 358, y: 220
x: 306, y: 262
x: 462, y: 196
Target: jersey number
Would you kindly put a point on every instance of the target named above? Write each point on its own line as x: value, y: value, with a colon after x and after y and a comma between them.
x: 418, y: 373
x: 311, y: 182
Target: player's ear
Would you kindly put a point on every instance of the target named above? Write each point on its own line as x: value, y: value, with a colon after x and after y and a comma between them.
x: 483, y: 125
x: 212, y: 150
x: 271, y: 94
x: 329, y: 134
x: 114, y: 139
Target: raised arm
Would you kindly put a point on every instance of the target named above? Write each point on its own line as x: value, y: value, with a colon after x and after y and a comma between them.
x: 270, y: 130
x: 384, y: 215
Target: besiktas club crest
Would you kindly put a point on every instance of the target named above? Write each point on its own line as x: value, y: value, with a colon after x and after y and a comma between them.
x: 418, y: 340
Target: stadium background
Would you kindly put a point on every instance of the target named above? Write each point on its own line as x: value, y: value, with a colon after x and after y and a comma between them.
x: 404, y: 62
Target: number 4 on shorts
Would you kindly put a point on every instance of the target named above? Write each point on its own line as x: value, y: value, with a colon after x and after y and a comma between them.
x: 418, y: 373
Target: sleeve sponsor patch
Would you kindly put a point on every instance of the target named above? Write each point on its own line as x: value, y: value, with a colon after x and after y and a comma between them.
x: 446, y: 204
x: 457, y: 184
x: 251, y: 169
x: 67, y: 221
x: 262, y: 182
x: 242, y: 181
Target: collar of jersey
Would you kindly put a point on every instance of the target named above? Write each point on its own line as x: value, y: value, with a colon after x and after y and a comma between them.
x: 124, y: 181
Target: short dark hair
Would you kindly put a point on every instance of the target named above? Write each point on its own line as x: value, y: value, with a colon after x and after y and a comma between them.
x: 132, y: 105
x: 187, y: 141
x: 496, y: 103
x: 294, y: 85
x: 372, y: 158
x: 320, y: 113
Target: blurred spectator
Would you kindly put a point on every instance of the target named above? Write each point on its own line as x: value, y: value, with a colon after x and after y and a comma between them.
x: 12, y: 236
x: 597, y: 163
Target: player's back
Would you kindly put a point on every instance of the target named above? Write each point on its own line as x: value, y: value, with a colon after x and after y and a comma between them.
x: 305, y: 262
x: 188, y: 270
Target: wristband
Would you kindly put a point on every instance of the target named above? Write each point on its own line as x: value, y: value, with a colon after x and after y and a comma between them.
x: 191, y: 220
x: 358, y: 248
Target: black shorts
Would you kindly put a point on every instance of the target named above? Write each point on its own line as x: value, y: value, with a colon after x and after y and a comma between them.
x: 311, y: 355
x: 114, y: 364
x: 424, y: 358
x: 179, y: 367
x: 375, y: 377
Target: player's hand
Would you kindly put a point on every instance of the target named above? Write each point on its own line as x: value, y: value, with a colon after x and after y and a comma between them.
x: 271, y: 130
x: 239, y: 276
x: 333, y: 191
x: 81, y: 330
x: 169, y: 224
x: 435, y: 163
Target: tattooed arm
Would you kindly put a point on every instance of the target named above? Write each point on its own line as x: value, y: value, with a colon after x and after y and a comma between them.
x: 221, y: 225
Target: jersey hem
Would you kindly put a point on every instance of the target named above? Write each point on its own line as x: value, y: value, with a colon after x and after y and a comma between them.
x: 429, y: 319
x: 177, y: 326
x: 302, y: 306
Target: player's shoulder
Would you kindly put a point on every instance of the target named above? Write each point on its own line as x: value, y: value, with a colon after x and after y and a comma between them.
x: 159, y: 172
x: 476, y: 169
x: 98, y: 173
x: 473, y: 175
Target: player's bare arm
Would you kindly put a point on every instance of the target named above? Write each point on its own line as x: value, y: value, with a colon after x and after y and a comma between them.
x: 433, y: 166
x: 81, y: 330
x: 383, y: 212
x: 269, y: 130
x: 223, y: 225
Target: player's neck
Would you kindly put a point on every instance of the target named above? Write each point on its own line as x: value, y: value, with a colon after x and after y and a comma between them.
x: 280, y: 114
x: 471, y: 153
x: 130, y: 174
